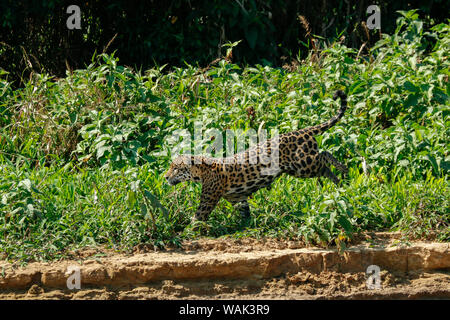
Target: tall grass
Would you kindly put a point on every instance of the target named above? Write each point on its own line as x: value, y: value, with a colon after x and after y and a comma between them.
x: 82, y: 157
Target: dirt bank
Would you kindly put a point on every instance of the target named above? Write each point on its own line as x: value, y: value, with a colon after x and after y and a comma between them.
x: 240, y: 269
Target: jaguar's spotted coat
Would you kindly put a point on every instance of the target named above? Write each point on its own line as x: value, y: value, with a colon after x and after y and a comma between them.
x: 236, y: 178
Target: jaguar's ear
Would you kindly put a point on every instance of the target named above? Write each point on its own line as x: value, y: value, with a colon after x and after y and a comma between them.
x: 185, y: 160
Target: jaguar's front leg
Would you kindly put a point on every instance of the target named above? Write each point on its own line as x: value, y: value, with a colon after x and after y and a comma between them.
x: 208, y: 200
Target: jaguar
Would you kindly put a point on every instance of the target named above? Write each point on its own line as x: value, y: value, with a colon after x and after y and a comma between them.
x: 236, y: 178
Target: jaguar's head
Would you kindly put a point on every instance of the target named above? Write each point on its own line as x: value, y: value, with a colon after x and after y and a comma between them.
x: 180, y: 170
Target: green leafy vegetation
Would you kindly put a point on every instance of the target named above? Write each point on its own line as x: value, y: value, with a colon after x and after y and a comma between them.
x: 82, y: 157
x: 34, y: 36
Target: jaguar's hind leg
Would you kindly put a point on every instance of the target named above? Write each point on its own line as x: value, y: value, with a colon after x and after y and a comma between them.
x: 244, y: 209
x: 327, y: 158
x: 326, y: 172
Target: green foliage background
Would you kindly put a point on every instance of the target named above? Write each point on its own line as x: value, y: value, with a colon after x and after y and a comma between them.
x: 34, y: 35
x: 82, y: 157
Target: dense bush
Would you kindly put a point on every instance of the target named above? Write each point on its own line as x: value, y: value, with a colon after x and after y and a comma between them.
x: 34, y: 36
x: 83, y: 157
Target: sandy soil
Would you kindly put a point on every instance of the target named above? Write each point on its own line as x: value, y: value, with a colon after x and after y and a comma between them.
x: 240, y: 269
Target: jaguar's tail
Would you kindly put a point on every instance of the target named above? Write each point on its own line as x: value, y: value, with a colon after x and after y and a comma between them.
x: 328, y: 124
